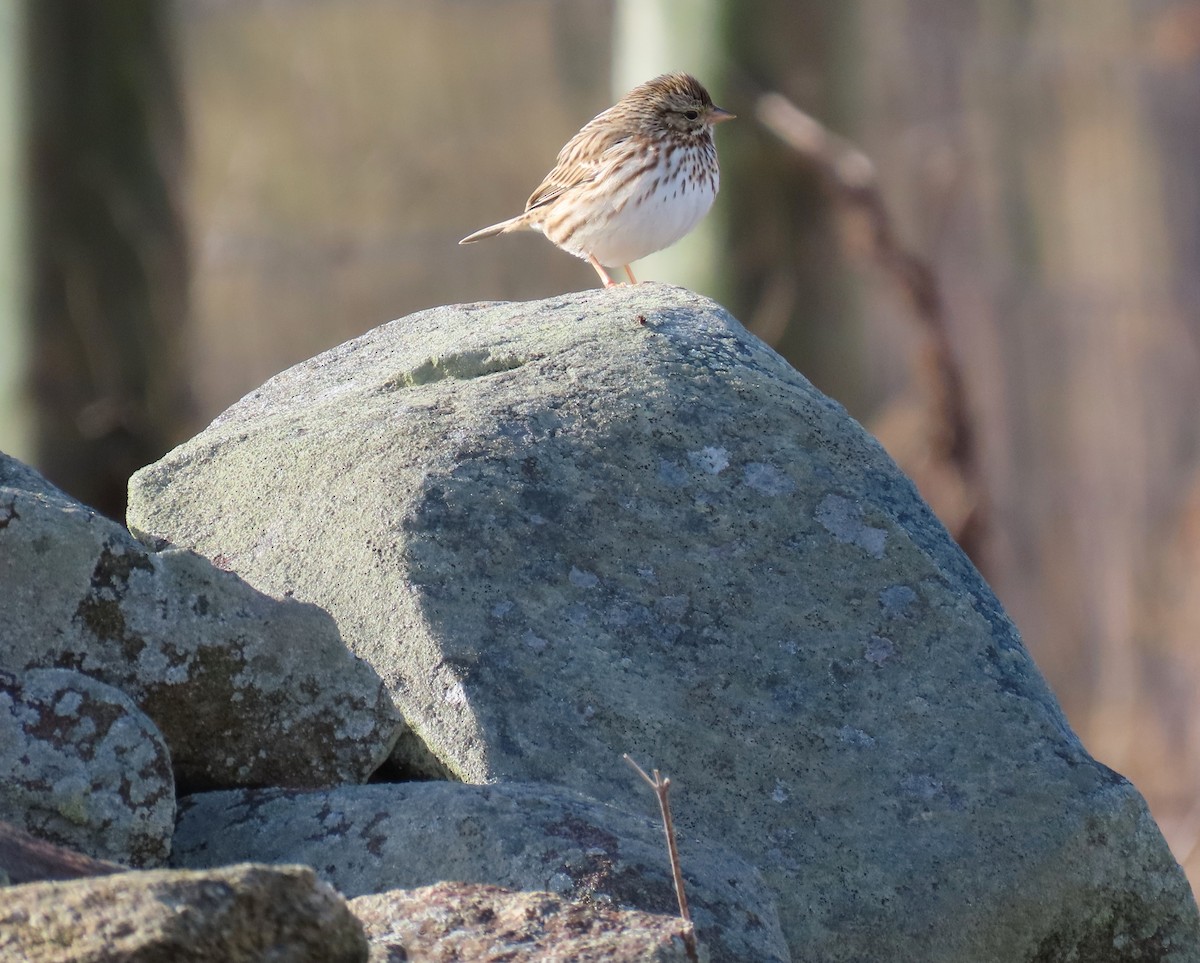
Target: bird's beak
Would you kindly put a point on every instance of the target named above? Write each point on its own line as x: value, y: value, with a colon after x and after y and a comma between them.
x: 717, y: 115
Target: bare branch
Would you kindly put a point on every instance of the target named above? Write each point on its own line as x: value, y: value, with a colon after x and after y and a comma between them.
x: 662, y: 788
x: 850, y: 178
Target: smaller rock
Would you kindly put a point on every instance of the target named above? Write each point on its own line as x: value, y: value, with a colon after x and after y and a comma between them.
x: 488, y: 924
x: 236, y: 914
x: 247, y: 689
x: 27, y: 859
x: 531, y: 837
x: 85, y: 767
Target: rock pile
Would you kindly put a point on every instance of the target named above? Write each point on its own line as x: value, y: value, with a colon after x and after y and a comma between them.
x: 483, y: 551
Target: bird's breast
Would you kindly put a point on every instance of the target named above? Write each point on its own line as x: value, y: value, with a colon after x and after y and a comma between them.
x: 640, y: 205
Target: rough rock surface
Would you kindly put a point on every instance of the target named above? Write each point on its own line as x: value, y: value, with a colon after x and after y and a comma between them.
x: 452, y: 922
x: 246, y: 689
x: 237, y: 914
x: 27, y: 859
x: 371, y: 839
x: 615, y: 521
x: 83, y: 767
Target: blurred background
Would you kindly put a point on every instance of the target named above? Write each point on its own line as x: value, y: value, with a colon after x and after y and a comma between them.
x: 976, y: 223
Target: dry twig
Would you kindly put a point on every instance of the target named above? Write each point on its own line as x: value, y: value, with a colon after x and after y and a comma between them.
x: 850, y: 178
x: 662, y: 788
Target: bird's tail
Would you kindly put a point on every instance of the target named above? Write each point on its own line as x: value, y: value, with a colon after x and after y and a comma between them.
x: 518, y: 223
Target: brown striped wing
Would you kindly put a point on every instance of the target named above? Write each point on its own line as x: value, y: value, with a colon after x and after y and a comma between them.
x: 584, y: 156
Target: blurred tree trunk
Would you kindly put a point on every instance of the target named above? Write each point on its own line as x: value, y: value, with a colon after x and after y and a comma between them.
x: 791, y: 284
x: 109, y: 277
x: 1045, y: 154
x: 653, y: 37
x: 14, y: 408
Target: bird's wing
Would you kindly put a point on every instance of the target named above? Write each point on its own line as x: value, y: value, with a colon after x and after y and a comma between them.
x: 581, y: 159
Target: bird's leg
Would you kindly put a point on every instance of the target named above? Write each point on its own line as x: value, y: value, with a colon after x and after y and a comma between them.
x: 629, y: 274
x: 608, y: 282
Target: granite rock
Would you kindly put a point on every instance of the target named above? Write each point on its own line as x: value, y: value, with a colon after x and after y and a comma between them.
x: 84, y: 767
x: 617, y: 522
x: 449, y: 922
x: 246, y: 689
x: 236, y: 914
x: 24, y: 858
x: 372, y: 839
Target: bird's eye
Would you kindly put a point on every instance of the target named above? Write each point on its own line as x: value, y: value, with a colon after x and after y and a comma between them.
x: 691, y: 114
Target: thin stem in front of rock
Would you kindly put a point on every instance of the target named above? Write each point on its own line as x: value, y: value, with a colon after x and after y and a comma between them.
x: 662, y: 788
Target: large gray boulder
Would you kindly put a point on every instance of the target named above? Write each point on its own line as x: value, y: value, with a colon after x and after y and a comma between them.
x: 246, y: 689
x: 373, y: 839
x: 615, y: 521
